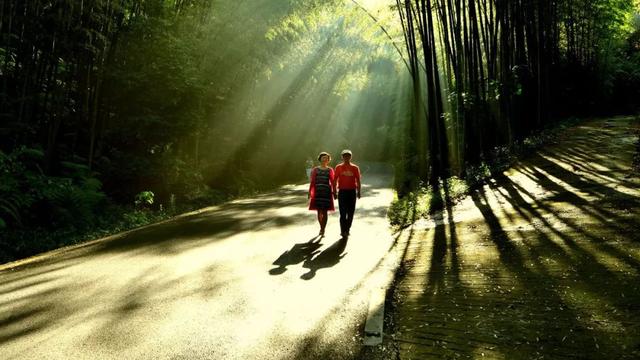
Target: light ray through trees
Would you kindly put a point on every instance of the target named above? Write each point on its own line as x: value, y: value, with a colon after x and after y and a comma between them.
x: 322, y: 94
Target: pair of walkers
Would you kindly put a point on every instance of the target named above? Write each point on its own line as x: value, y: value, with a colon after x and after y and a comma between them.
x: 328, y: 184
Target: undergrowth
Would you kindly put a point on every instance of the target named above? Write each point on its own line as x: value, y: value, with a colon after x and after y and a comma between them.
x: 41, y: 211
x: 423, y: 201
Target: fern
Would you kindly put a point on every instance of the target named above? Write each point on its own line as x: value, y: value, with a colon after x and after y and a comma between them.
x: 75, y: 170
x: 10, y: 206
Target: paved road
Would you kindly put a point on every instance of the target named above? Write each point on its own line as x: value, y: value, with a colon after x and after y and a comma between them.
x: 244, y: 280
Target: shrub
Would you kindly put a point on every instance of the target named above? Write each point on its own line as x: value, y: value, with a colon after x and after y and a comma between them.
x: 144, y: 199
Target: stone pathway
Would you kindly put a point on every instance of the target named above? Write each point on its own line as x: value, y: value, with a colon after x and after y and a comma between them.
x: 544, y: 262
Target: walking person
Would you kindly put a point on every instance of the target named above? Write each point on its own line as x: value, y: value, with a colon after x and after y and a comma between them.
x: 346, y: 189
x: 321, y: 190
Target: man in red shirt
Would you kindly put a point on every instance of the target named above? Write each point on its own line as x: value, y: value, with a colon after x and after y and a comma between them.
x: 346, y: 188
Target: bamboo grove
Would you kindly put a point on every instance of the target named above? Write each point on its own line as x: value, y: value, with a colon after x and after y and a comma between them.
x: 486, y: 73
x: 55, y: 56
x: 171, y: 94
x: 104, y: 102
x: 129, y: 88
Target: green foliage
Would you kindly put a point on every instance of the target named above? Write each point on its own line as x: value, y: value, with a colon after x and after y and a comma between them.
x: 9, y: 209
x: 406, y: 210
x: 16, y: 196
x: 39, y: 212
x: 29, y: 199
x: 423, y: 201
x: 475, y: 175
x: 457, y: 188
x: 136, y: 218
x: 144, y: 199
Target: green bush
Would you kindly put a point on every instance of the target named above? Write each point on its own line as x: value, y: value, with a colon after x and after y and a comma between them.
x: 407, y: 209
x: 31, y: 198
x: 39, y: 212
x: 16, y: 194
x: 420, y: 203
x: 476, y: 175
x: 144, y: 199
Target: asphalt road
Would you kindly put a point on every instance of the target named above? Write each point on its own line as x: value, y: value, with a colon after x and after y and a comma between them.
x: 245, y: 280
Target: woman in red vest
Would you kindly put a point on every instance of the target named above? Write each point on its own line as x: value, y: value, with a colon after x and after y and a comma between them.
x: 321, y: 190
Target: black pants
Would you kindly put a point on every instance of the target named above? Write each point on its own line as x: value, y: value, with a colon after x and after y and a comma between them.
x: 347, y: 204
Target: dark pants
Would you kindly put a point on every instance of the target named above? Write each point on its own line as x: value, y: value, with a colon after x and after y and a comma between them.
x: 347, y: 204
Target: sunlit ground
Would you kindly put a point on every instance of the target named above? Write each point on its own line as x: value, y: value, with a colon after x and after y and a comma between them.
x: 245, y: 280
x: 542, y: 263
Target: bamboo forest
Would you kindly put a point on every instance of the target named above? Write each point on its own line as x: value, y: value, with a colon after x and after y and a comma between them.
x: 162, y: 179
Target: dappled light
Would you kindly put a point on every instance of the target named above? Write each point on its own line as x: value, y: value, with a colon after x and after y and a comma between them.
x: 542, y: 260
x: 181, y: 105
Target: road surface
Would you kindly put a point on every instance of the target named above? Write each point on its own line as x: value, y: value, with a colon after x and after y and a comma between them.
x: 244, y: 280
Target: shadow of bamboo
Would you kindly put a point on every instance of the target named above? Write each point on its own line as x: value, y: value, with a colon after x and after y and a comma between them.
x: 608, y: 229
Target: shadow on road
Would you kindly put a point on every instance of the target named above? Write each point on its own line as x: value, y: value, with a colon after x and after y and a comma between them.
x: 194, y: 230
x: 325, y: 259
x: 298, y: 253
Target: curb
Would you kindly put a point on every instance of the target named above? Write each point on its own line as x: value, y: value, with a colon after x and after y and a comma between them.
x: 385, y: 277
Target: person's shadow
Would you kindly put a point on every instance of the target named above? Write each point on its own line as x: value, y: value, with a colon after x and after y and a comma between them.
x: 297, y: 254
x: 326, y: 259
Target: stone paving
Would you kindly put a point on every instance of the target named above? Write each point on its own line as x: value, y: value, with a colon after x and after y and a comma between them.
x: 542, y: 263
